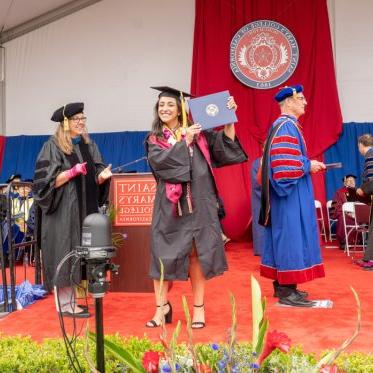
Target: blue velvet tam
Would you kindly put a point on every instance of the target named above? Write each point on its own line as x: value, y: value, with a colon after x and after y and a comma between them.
x: 286, y: 92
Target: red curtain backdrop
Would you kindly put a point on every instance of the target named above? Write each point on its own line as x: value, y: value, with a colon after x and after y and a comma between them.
x: 216, y: 23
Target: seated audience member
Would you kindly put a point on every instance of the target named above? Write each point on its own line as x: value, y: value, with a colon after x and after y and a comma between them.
x: 345, y: 194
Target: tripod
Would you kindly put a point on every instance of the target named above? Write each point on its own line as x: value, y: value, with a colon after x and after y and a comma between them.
x: 97, y: 287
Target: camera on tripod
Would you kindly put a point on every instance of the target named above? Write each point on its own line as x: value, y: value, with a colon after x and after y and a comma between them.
x: 96, y: 251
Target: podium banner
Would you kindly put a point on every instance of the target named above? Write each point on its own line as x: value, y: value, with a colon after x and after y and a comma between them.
x: 133, y: 200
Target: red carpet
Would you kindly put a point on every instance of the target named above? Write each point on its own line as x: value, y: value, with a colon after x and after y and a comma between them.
x: 314, y: 329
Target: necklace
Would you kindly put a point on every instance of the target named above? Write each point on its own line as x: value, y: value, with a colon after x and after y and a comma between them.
x: 175, y: 128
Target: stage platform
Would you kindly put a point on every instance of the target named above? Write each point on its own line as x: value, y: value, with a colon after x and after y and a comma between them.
x: 315, y: 329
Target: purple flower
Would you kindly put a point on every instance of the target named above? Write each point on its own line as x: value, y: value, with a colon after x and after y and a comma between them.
x: 166, y: 368
x: 222, y: 364
x: 215, y: 346
x: 254, y: 365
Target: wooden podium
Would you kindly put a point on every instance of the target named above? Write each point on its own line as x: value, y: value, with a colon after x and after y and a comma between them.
x: 132, y: 196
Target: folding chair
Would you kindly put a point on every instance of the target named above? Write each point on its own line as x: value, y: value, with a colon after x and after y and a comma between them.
x: 360, y: 213
x: 320, y: 218
x: 331, y: 222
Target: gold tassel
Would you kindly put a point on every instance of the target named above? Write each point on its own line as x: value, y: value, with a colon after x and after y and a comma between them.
x: 65, y: 120
x: 65, y: 124
x: 183, y: 111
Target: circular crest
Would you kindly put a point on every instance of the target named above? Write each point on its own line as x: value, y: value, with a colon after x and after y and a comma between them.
x: 212, y: 110
x: 263, y: 54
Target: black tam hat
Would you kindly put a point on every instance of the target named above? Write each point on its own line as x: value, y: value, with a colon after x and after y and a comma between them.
x: 67, y: 111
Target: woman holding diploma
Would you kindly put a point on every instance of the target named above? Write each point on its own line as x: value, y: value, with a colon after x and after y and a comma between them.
x: 186, y: 233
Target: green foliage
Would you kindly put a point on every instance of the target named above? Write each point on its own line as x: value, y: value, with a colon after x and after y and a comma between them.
x: 260, y: 324
x: 23, y: 355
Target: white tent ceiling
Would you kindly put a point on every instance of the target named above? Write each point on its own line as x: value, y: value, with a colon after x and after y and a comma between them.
x: 20, y: 16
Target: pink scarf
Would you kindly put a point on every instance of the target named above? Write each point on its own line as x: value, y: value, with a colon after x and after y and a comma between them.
x: 174, y: 191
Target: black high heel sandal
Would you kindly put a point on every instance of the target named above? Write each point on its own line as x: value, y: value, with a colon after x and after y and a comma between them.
x: 167, y: 318
x: 198, y: 324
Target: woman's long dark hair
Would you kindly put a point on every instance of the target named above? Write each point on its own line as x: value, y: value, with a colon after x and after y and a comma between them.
x: 157, y: 125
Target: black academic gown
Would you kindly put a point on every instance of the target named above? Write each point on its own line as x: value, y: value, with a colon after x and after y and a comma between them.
x: 63, y: 209
x: 172, y: 235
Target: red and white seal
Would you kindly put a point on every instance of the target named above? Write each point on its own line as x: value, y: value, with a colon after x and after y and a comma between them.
x: 263, y: 54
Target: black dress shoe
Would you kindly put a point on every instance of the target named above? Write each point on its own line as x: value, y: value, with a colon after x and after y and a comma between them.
x: 76, y: 315
x: 295, y: 300
x: 301, y: 293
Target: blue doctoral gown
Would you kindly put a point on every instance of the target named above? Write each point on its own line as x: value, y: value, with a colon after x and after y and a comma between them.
x: 291, y: 252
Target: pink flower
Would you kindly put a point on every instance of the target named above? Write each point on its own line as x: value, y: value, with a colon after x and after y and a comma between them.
x: 329, y: 369
x: 150, y: 361
x: 275, y: 340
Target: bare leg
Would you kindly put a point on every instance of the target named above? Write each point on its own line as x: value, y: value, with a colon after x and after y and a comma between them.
x: 160, y: 301
x: 198, y: 281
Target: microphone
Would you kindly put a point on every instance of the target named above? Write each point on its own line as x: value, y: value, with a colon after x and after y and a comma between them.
x: 120, y: 169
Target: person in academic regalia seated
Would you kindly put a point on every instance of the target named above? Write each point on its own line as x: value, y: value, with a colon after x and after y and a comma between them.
x: 291, y: 253
x: 71, y: 181
x: 345, y: 194
x: 186, y: 233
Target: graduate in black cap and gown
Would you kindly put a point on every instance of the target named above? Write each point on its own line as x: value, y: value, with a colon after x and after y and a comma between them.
x: 71, y: 181
x: 186, y: 233
x: 291, y: 253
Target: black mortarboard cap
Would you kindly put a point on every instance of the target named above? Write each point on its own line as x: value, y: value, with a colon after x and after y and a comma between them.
x: 286, y: 92
x: 12, y: 177
x: 172, y: 92
x: 67, y: 111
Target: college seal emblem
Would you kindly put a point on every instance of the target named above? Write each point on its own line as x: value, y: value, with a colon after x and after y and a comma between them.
x: 263, y: 54
x: 212, y: 110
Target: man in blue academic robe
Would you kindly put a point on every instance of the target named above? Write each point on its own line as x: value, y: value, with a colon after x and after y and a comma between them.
x: 291, y: 253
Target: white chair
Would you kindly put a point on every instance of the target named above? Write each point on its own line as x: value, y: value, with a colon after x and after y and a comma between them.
x: 320, y: 218
x: 360, y: 213
x: 332, y: 223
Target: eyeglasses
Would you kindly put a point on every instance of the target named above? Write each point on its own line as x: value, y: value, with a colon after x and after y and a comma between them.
x: 79, y: 119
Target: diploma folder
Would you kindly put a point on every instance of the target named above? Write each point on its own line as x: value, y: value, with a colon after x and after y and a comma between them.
x: 211, y: 111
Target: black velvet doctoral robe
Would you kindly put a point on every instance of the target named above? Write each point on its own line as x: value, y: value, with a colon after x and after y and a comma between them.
x: 63, y: 209
x: 173, y: 235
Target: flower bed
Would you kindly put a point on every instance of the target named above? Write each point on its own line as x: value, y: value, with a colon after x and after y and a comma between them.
x: 22, y: 354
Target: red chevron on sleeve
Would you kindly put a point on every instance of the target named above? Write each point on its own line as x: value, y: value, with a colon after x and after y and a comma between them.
x: 290, y: 174
x: 282, y: 162
x: 288, y: 139
x: 285, y: 151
